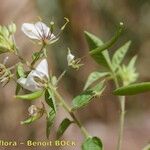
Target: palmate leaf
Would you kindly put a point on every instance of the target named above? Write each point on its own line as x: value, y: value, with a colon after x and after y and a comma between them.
x: 92, y: 143
x: 50, y: 99
x: 94, y: 42
x: 49, y: 122
x: 63, y: 126
x: 133, y: 89
x: 85, y: 97
x: 93, y: 77
x: 119, y: 55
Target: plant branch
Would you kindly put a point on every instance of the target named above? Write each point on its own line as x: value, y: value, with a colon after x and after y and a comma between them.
x: 38, y: 55
x: 68, y: 109
x: 122, y: 115
x: 122, y: 120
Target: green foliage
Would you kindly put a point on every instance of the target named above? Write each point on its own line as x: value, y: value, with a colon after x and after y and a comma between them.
x: 93, y: 42
x: 6, y: 39
x: 49, y: 122
x: 12, y: 28
x: 97, y: 47
x: 84, y: 98
x: 63, y: 126
x: 133, y: 89
x: 92, y: 143
x: 128, y: 73
x: 50, y: 100
x: 31, y: 96
x: 30, y: 120
x: 20, y: 71
x: 119, y: 55
x: 93, y: 77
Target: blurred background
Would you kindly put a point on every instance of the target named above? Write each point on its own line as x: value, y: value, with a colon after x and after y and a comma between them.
x: 101, y: 116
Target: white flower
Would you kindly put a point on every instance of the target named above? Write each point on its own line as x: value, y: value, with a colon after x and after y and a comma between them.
x: 40, y: 72
x: 70, y: 57
x: 38, y: 31
x: 32, y: 110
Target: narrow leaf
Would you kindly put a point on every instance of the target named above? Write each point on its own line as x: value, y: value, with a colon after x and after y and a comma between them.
x: 133, y: 89
x: 132, y: 62
x: 50, y: 100
x: 84, y: 98
x: 63, y: 126
x: 119, y: 55
x: 94, y: 42
x: 20, y: 70
x: 94, y: 76
x: 109, y: 43
x: 93, y: 143
x: 31, y: 96
x: 19, y: 73
x: 49, y: 122
x: 29, y: 120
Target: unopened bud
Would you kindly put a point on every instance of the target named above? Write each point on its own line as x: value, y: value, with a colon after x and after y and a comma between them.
x: 12, y: 28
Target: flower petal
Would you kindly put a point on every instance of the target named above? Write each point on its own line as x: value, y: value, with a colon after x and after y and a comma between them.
x: 70, y: 57
x: 43, y: 29
x: 42, y: 68
x: 28, y: 84
x: 31, y: 84
x: 22, y: 81
x: 31, y: 31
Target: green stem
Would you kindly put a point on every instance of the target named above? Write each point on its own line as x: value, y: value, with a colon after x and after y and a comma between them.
x: 122, y: 120
x: 38, y: 55
x: 122, y: 116
x: 68, y: 109
x: 108, y: 44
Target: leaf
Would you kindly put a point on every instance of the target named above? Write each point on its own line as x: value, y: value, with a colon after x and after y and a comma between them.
x: 94, y: 42
x: 128, y: 73
x: 63, y: 126
x: 20, y: 71
x: 30, y: 96
x: 97, y: 52
x: 133, y: 89
x: 84, y: 98
x: 50, y: 100
x: 93, y: 143
x: 131, y: 64
x: 49, y: 122
x: 29, y: 120
x: 120, y: 54
x: 94, y: 76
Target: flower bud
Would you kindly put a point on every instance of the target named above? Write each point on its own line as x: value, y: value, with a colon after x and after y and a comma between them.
x: 12, y: 28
